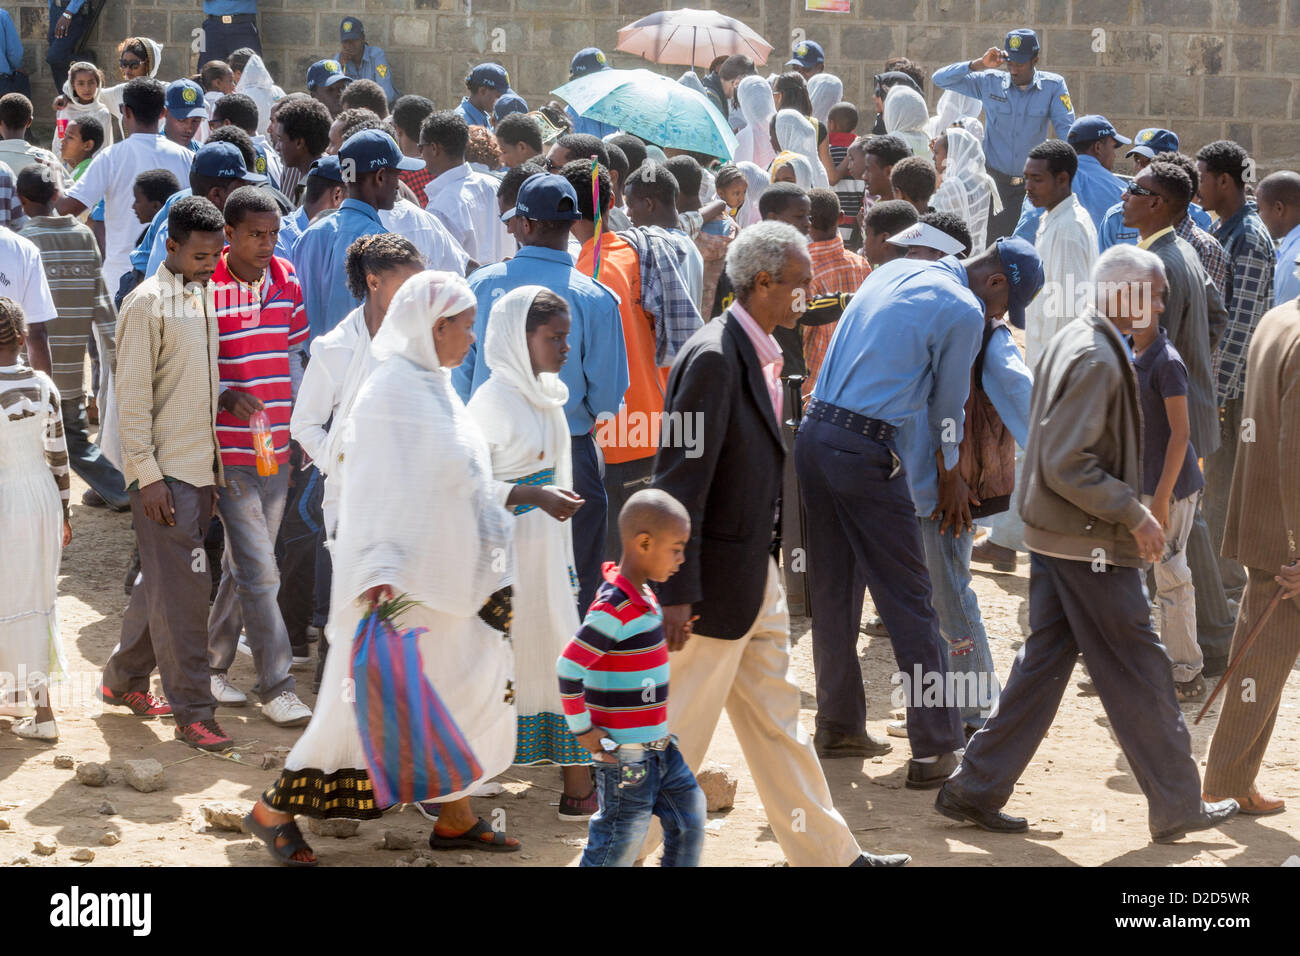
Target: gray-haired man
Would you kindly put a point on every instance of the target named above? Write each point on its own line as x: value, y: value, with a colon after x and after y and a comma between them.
x: 1089, y: 536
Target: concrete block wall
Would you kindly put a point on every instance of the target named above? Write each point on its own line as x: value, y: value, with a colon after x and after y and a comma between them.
x: 1205, y: 68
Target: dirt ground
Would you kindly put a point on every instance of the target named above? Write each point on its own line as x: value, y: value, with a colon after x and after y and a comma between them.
x: 1083, y: 804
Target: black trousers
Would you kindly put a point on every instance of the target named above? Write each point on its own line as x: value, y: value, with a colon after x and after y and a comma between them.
x: 219, y: 40
x: 622, y: 481
x: 63, y: 50
x: 861, y: 531
x: 1013, y: 197
x: 589, y: 520
x: 1106, y: 615
x: 302, y: 535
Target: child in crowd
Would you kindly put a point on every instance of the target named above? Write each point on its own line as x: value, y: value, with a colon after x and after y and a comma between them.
x: 81, y: 91
x: 82, y: 140
x: 842, y: 123
x: 730, y: 186
x: 1171, y: 488
x: 152, y: 189
x: 35, y: 528
x: 520, y: 410
x: 914, y: 180
x: 607, y: 673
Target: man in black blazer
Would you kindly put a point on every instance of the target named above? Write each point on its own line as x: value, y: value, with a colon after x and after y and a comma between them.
x: 722, y: 455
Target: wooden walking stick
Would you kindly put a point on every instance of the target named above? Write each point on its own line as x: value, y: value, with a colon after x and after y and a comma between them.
x: 1245, y: 646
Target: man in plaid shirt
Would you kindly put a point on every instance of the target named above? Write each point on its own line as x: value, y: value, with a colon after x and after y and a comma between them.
x: 1248, y: 293
x: 1213, y: 259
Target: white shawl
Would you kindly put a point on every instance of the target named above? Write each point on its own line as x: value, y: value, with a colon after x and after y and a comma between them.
x: 758, y: 106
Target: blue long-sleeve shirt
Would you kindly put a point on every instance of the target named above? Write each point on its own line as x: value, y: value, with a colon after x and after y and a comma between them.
x: 905, y: 345
x: 1096, y: 188
x: 11, y: 45
x: 1113, y: 232
x: 1015, y: 120
x: 374, y: 66
x: 596, y: 369
x: 471, y: 114
x: 291, y: 227
x: 72, y: 9
x: 591, y: 126
x: 319, y: 256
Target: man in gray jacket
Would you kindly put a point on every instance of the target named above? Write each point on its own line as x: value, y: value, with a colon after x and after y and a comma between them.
x: 1089, y: 535
x: 1194, y: 319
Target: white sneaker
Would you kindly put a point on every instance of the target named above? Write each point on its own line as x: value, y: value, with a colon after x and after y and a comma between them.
x: 896, y: 728
x: 286, y: 710
x: 242, y: 647
x: 227, y: 693
x: 29, y: 728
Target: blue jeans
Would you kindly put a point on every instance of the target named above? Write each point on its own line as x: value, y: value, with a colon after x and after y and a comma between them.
x: 251, y: 507
x: 646, y: 783
x: 947, y: 557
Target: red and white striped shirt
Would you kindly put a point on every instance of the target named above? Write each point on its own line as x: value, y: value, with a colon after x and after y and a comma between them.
x: 258, y: 325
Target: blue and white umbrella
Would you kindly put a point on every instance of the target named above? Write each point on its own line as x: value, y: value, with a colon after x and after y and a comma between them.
x: 654, y: 107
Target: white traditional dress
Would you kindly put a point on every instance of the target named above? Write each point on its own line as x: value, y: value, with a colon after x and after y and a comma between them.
x: 417, y: 512
x: 32, y: 451
x: 522, y: 417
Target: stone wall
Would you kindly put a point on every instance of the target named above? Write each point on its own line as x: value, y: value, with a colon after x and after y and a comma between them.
x: 1205, y: 68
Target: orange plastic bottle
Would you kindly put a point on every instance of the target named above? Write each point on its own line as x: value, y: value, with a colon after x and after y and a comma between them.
x: 263, y: 444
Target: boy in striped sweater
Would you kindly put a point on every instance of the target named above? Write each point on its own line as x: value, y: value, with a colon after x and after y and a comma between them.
x: 614, y: 687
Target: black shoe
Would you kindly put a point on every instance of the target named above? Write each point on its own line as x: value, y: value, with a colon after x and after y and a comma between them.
x: 994, y: 821
x: 1212, y: 814
x: 887, y: 859
x: 927, y: 776
x: 1214, y: 666
x: 866, y: 744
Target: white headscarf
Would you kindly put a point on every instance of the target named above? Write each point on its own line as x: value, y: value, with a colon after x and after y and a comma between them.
x: 803, y: 171
x: 422, y: 300
x: 256, y: 82
x: 76, y: 110
x: 757, y: 180
x: 966, y: 163
x: 906, y: 115
x: 418, y: 510
x: 796, y: 134
x: 825, y: 90
x: 953, y: 108
x: 758, y: 106
x: 505, y: 350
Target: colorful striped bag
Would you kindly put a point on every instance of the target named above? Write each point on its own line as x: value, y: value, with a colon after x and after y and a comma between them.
x: 414, y: 750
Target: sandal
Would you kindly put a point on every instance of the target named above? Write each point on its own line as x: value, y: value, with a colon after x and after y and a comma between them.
x: 270, y: 834
x: 473, y: 839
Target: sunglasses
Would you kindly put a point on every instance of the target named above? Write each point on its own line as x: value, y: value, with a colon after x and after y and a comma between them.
x: 130, y: 64
x: 1137, y: 190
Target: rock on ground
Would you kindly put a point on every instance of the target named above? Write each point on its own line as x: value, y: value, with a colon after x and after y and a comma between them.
x: 110, y: 839
x: 107, y: 809
x: 719, y: 785
x: 341, y: 829
x: 397, y: 840
x: 64, y: 761
x: 144, y: 775
x: 92, y: 774
x: 223, y: 816
x: 83, y: 854
x: 46, y: 846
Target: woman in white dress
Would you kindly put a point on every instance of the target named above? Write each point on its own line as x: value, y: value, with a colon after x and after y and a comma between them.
x: 34, y: 529
x: 964, y: 161
x: 520, y: 410
x: 418, y: 516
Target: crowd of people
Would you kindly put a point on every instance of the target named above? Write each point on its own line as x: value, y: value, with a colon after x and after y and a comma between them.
x: 535, y: 378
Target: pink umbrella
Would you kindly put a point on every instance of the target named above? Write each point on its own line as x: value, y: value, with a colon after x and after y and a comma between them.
x: 691, y: 37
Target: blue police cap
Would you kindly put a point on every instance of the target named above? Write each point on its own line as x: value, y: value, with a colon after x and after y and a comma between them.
x: 327, y: 167
x: 1021, y: 45
x: 807, y: 55
x: 489, y: 74
x: 325, y: 73
x: 224, y: 161
x: 373, y: 149
x: 351, y: 29
x: 589, y: 60
x: 510, y: 102
x: 549, y: 197
x: 1152, y: 142
x: 185, y: 99
x: 1091, y: 127
x: 1024, y: 272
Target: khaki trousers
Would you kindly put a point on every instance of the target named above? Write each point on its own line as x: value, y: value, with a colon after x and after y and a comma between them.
x: 1251, y: 701
x: 751, y: 678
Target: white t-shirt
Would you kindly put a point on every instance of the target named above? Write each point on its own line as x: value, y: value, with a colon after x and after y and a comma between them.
x: 466, y: 203
x: 111, y: 177
x: 440, y: 249
x: 22, y: 277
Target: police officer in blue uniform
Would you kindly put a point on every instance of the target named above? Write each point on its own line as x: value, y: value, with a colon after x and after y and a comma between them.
x: 1095, y: 185
x: 584, y: 63
x: 361, y: 61
x: 1022, y: 105
x: 227, y: 26
x: 1147, y: 145
x: 486, y: 83
x: 807, y: 59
